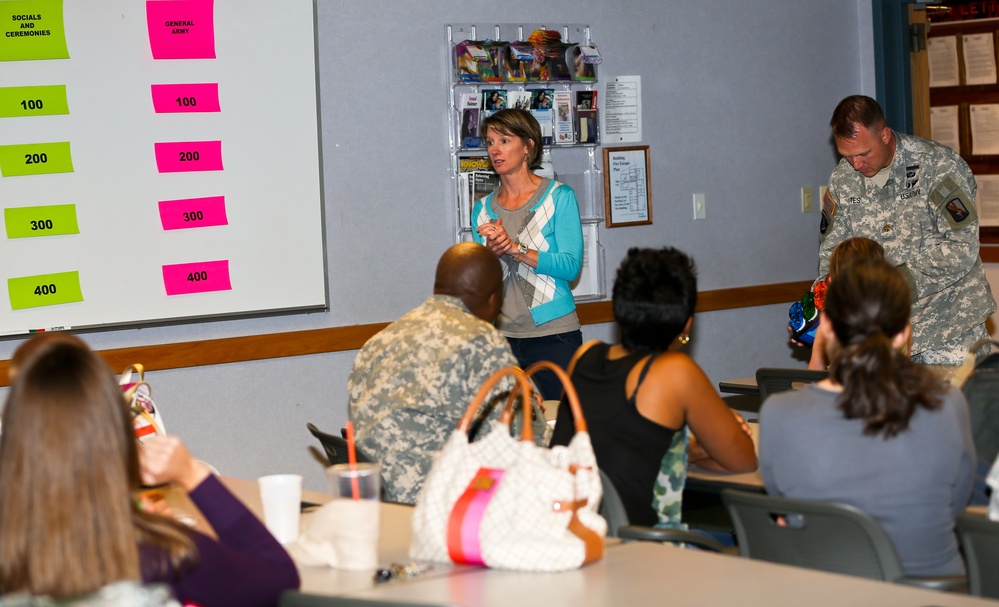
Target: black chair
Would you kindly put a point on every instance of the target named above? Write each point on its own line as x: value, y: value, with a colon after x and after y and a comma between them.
x: 980, y: 541
x: 981, y: 390
x: 820, y: 535
x: 771, y: 380
x: 293, y: 598
x: 335, y: 447
x: 612, y: 509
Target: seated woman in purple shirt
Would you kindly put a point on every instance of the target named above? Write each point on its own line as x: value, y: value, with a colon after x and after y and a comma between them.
x: 70, y: 519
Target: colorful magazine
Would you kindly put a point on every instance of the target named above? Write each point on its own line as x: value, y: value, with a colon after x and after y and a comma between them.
x: 468, y: 56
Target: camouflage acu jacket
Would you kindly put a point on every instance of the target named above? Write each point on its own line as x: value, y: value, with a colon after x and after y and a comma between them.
x: 925, y: 218
x: 411, y: 383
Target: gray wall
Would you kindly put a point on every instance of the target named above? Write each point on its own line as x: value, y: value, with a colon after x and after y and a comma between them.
x: 736, y: 98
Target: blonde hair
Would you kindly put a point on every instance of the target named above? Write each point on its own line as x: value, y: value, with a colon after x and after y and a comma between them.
x: 69, y: 473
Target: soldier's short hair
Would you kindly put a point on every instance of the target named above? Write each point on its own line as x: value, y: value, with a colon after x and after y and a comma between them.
x: 856, y: 111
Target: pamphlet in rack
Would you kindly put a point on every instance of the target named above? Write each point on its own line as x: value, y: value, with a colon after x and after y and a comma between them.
x: 587, y: 118
x: 470, y: 103
x: 563, y: 118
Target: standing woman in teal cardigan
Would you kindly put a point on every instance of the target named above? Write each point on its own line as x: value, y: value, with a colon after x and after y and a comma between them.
x: 532, y: 224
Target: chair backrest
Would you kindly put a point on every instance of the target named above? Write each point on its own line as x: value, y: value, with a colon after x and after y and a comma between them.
x: 293, y: 598
x: 335, y: 446
x: 981, y: 390
x: 812, y: 533
x: 770, y: 380
x: 611, y: 506
x: 980, y: 542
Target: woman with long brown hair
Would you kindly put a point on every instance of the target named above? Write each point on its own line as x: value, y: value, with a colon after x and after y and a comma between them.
x: 70, y: 474
x: 880, y: 433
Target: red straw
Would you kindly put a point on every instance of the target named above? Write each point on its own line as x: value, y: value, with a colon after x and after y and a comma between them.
x: 352, y: 460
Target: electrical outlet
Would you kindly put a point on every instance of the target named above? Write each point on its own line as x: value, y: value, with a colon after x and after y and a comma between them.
x: 699, y: 205
x: 807, y: 205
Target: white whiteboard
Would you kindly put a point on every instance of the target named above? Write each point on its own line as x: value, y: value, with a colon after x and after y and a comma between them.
x: 268, y: 125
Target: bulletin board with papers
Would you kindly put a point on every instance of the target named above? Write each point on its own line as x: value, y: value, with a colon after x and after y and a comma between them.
x: 964, y: 105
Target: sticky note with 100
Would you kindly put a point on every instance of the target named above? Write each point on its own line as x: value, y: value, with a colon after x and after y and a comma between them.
x: 47, y: 100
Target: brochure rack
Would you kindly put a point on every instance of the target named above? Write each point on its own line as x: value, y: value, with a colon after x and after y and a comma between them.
x: 488, y: 69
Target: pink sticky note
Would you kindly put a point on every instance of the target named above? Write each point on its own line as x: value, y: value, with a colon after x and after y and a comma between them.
x: 186, y: 156
x: 181, y: 98
x: 181, y: 29
x: 193, y: 213
x: 199, y: 277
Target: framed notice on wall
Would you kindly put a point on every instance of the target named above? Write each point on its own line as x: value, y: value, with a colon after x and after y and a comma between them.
x: 627, y: 191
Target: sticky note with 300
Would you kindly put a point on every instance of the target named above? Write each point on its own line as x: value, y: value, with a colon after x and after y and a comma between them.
x: 49, y: 220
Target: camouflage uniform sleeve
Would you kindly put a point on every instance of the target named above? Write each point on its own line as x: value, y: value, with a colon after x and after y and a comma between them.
x: 949, y: 249
x: 836, y: 226
x: 487, y: 354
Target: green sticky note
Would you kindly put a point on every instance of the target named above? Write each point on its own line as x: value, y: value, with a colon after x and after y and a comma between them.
x: 44, y: 290
x: 18, y: 101
x: 35, y: 158
x: 32, y: 29
x: 29, y: 222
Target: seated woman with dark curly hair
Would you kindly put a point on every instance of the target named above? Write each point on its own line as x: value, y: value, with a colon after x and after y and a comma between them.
x: 70, y: 516
x: 641, y: 396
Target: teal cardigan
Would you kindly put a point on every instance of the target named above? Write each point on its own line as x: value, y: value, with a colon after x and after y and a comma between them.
x: 556, y: 233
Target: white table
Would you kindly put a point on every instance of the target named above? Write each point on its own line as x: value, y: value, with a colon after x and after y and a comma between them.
x: 702, y: 479
x: 393, y: 542
x: 634, y: 574
x: 640, y: 574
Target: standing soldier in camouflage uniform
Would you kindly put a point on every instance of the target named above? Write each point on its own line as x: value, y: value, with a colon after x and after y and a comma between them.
x: 411, y: 383
x: 917, y: 199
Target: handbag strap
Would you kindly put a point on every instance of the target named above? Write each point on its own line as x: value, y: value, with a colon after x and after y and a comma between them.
x: 126, y: 375
x: 570, y: 391
x: 521, y: 388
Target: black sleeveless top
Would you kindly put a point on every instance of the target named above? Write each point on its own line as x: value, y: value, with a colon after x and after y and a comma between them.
x: 628, y: 446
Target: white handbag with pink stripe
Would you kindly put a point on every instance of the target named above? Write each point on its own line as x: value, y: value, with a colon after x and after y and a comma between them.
x: 506, y: 503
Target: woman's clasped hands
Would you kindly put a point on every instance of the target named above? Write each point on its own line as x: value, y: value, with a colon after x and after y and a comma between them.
x: 497, y: 238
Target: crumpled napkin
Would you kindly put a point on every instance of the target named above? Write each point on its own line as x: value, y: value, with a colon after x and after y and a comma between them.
x: 342, y: 534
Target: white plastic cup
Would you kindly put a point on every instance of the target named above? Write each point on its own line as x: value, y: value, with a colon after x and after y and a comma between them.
x: 355, y: 539
x: 281, y: 495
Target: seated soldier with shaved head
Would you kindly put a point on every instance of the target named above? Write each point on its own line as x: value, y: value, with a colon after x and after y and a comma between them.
x: 412, y: 382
